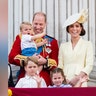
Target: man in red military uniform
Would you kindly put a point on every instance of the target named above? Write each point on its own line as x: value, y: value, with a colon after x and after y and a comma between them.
x: 48, y: 53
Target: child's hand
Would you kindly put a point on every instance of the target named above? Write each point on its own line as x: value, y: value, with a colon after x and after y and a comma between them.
x: 74, y: 80
x: 84, y: 79
x: 38, y: 79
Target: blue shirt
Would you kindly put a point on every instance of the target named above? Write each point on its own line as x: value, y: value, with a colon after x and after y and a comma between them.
x: 61, y: 86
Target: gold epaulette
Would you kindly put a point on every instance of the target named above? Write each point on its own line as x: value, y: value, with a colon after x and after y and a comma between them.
x: 20, y: 35
x: 51, y: 63
x: 20, y: 57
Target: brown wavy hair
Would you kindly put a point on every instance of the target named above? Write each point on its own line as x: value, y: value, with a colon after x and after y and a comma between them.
x: 58, y: 70
x: 83, y: 32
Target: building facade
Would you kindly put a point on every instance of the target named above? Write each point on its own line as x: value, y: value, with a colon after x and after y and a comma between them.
x: 57, y: 12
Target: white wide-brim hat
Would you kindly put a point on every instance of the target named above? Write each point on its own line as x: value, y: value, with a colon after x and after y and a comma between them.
x: 78, y: 17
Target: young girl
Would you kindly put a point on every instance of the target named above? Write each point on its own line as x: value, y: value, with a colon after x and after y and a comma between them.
x: 59, y: 80
x: 32, y: 78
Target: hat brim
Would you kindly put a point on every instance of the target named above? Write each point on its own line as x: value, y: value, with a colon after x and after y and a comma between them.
x: 78, y: 17
x: 72, y: 19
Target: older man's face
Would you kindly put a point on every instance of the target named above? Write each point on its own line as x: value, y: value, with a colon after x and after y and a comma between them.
x: 38, y: 24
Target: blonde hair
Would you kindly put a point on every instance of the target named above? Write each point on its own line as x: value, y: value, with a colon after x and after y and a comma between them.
x: 24, y: 23
x: 30, y: 58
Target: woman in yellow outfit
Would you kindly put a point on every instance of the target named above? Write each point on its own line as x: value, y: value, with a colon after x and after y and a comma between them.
x: 76, y: 56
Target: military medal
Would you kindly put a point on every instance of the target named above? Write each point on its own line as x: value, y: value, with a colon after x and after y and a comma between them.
x: 48, y: 44
x: 48, y: 50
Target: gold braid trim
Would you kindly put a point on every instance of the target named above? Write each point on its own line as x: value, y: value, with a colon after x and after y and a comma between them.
x: 20, y: 35
x: 39, y: 40
x: 20, y: 57
x: 51, y: 63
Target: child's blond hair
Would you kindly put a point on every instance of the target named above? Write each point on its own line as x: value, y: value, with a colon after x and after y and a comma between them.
x: 30, y: 58
x: 25, y: 23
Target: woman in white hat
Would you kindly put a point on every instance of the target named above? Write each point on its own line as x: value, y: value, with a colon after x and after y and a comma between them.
x: 76, y: 56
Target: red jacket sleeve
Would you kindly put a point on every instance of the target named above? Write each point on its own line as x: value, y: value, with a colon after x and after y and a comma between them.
x: 16, y: 50
x: 55, y: 49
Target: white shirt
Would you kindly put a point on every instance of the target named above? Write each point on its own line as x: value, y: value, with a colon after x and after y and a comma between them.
x: 26, y: 42
x: 29, y: 82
